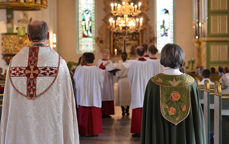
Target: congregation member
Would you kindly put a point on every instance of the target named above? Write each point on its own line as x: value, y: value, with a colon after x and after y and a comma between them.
x: 221, y: 71
x: 224, y: 80
x: 108, y: 88
x: 88, y: 85
x: 213, y: 70
x: 172, y: 113
x: 123, y: 92
x: 138, y: 78
x: 206, y: 76
x: 226, y: 70
x: 154, y: 65
x: 38, y: 101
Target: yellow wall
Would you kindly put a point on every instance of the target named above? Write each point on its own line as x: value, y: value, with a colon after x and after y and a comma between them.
x: 67, y: 26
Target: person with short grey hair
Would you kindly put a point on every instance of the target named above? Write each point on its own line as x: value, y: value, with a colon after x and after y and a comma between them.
x: 172, y: 112
x: 38, y: 31
x: 172, y: 56
x: 38, y: 102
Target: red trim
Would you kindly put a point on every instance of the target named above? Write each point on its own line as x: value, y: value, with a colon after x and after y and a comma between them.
x: 89, y: 65
x: 108, y: 108
x: 105, y: 59
x: 153, y: 58
x: 136, y: 121
x: 146, y: 55
x: 141, y: 59
x: 32, y: 61
x: 89, y: 120
x: 101, y: 66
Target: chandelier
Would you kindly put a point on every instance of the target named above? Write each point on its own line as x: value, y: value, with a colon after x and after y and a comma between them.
x: 126, y: 17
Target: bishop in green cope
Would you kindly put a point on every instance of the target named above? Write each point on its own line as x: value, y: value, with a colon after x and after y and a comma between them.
x: 172, y: 113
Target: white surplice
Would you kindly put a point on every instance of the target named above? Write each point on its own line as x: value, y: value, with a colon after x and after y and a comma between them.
x: 48, y: 119
x: 154, y: 67
x: 88, y: 85
x: 108, y: 86
x: 123, y: 93
x: 138, y: 76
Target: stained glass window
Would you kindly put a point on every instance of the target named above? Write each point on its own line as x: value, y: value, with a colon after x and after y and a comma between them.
x: 164, y: 23
x: 86, y: 26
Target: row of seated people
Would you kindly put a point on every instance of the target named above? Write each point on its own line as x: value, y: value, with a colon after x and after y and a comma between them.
x: 223, y: 78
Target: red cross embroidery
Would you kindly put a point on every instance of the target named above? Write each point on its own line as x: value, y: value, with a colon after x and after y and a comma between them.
x: 31, y: 72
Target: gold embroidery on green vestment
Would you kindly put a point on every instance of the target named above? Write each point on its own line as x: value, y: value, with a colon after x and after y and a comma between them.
x: 175, y: 100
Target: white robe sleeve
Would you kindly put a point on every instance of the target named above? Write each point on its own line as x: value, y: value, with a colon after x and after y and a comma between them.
x: 70, y: 116
x: 5, y: 108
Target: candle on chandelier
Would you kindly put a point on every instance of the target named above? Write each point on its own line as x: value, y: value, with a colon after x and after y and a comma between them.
x: 123, y: 3
x: 115, y: 7
x: 139, y: 5
x: 135, y: 7
x: 141, y: 21
x: 137, y: 21
x: 112, y: 6
x: 119, y: 6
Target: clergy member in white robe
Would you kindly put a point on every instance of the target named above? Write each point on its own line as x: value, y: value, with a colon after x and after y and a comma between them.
x: 138, y: 76
x: 38, y: 102
x: 146, y: 54
x: 108, y: 88
x: 88, y: 84
x: 153, y: 62
x: 123, y: 94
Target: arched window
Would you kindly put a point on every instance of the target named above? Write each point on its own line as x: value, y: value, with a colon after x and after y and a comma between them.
x: 164, y: 22
x: 85, y: 26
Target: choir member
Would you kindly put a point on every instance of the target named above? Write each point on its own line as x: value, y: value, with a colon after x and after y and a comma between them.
x: 38, y: 101
x: 146, y: 54
x: 88, y: 85
x: 123, y: 94
x: 138, y: 78
x: 108, y: 89
x: 172, y: 113
x: 153, y: 63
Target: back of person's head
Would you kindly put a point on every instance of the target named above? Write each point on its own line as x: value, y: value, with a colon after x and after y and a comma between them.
x: 140, y: 51
x: 153, y: 50
x: 88, y: 57
x: 124, y: 56
x: 206, y: 73
x: 172, y: 55
x: 145, y: 47
x: 79, y: 61
x: 38, y: 31
x: 213, y: 70
x: 226, y: 70
x: 220, y: 69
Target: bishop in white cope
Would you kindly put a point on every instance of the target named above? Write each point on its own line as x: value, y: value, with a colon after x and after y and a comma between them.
x: 108, y: 87
x: 38, y: 102
x: 88, y: 85
x: 138, y: 76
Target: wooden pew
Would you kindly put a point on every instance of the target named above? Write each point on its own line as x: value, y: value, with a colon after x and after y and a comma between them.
x: 221, y: 112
